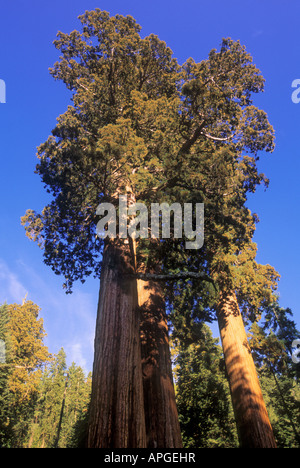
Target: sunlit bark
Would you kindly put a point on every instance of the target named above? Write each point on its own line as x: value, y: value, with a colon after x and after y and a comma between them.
x: 251, y: 415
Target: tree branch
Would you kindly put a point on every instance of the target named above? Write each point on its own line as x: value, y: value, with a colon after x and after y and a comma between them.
x: 191, y: 141
x: 174, y: 276
x: 84, y: 87
x: 184, y: 149
x: 214, y: 138
x: 24, y: 367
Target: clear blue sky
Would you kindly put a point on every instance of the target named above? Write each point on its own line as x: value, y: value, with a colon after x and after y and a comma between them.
x: 270, y: 31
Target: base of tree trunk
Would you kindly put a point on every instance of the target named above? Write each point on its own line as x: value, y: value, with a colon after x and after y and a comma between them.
x: 162, y: 424
x: 117, y: 417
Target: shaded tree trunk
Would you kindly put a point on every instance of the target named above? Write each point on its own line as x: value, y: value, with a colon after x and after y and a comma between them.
x: 162, y: 424
x: 251, y: 415
x: 117, y: 417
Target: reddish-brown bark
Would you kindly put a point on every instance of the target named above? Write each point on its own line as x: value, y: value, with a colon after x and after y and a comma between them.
x: 251, y: 415
x: 162, y: 424
x: 117, y: 417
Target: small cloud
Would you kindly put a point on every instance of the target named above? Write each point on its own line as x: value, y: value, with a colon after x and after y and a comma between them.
x: 257, y: 33
x: 11, y: 288
x: 75, y: 354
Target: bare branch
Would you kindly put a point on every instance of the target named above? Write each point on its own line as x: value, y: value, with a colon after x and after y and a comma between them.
x: 214, y: 138
x: 84, y: 87
x: 175, y: 276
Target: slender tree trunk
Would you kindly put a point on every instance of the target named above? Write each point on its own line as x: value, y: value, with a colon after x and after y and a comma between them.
x: 61, y: 413
x: 251, y: 415
x: 162, y: 424
x: 31, y: 438
x: 117, y: 417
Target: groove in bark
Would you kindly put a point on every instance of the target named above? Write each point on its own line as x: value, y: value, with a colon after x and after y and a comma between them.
x: 117, y: 417
x: 162, y: 424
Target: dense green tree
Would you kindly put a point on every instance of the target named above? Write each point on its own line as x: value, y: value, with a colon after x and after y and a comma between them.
x: 6, y: 432
x: 63, y: 399
x: 271, y: 342
x: 77, y: 399
x: 48, y: 408
x: 203, y: 396
x: 23, y: 333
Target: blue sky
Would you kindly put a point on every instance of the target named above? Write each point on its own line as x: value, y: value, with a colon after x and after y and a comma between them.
x: 268, y: 29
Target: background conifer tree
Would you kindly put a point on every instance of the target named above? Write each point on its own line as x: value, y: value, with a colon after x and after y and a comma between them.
x: 20, y: 375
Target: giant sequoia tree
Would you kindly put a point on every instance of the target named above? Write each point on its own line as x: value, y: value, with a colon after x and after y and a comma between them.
x: 142, y: 125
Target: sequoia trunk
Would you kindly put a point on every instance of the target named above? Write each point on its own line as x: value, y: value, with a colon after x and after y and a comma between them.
x: 117, y: 417
x: 162, y: 424
x: 251, y: 415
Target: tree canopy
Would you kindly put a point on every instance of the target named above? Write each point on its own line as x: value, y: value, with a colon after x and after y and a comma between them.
x: 143, y: 123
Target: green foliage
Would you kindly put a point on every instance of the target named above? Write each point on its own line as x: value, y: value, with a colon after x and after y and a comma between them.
x: 203, y: 396
x: 202, y: 391
x: 114, y: 136
x: 34, y: 387
x: 6, y: 432
x: 282, y: 396
x: 271, y: 342
x: 56, y: 413
x: 62, y: 404
x: 142, y: 123
x: 23, y: 333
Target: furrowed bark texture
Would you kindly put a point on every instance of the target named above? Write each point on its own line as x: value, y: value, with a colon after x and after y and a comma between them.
x: 162, y: 424
x: 251, y: 415
x: 117, y: 417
